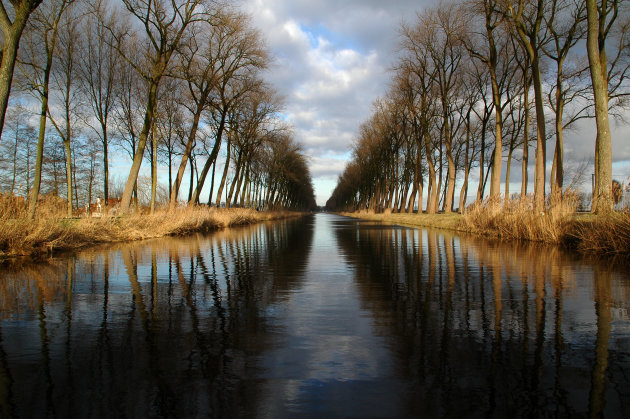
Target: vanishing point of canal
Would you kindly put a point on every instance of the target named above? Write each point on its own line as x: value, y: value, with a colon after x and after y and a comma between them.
x: 322, y: 316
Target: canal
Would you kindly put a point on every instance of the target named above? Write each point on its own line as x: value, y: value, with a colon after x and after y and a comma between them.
x: 322, y: 316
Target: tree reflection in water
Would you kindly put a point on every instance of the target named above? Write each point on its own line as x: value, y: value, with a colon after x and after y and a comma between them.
x: 182, y: 326
x: 160, y: 328
x: 496, y: 329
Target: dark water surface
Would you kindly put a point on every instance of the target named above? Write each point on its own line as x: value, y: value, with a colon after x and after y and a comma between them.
x: 319, y: 317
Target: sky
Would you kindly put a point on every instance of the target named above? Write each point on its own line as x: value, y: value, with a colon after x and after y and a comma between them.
x: 332, y: 60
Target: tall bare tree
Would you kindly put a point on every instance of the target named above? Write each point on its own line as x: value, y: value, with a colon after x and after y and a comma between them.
x: 99, y: 63
x: 166, y: 25
x: 238, y: 53
x: 564, y: 23
x: 37, y: 64
x: 527, y: 18
x: 12, y: 21
x: 422, y: 75
x: 601, y: 16
x: 64, y: 75
x: 447, y: 52
x: 129, y: 111
x: 488, y: 53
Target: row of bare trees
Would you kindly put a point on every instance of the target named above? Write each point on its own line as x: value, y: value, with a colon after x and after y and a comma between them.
x: 165, y: 82
x: 480, y: 81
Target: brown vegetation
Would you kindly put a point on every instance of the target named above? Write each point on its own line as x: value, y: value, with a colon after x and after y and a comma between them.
x: 451, y: 221
x: 606, y: 233
x: 517, y: 220
x: 50, y: 231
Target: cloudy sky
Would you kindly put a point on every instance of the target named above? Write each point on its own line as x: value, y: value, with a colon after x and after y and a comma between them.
x: 332, y: 61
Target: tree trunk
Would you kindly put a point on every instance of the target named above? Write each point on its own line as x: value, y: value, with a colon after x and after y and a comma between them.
x: 508, y: 168
x: 125, y: 201
x: 74, y: 182
x: 463, y: 193
x: 105, y: 169
x: 237, y: 175
x: 482, y: 162
x: 15, y: 152
x: 440, y: 178
x: 525, y: 157
x: 191, y: 183
x: 557, y: 170
x: 225, y: 173
x: 246, y: 188
x: 541, y: 139
x: 170, y: 174
x: 214, y: 166
x: 433, y: 192
x: 497, y: 159
x: 12, y: 34
x: 34, y: 195
x: 182, y: 165
x: 211, y: 159
x: 602, y: 201
x: 153, y: 167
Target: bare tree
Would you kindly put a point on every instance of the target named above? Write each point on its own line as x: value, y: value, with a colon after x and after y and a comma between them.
x: 99, y: 64
x: 490, y: 56
x: 565, y: 24
x: 170, y: 124
x: 12, y: 23
x: 447, y: 51
x: 128, y: 113
x: 166, y: 25
x: 237, y: 53
x: 64, y: 75
x: 600, y: 18
x: 37, y: 64
x: 527, y: 18
x: 422, y: 75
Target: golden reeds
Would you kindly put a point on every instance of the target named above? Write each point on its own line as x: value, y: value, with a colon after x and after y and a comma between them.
x: 608, y: 233
x: 51, y: 231
x: 516, y: 219
x: 560, y: 224
x: 451, y: 221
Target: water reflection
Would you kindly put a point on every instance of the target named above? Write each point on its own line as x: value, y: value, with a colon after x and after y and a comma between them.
x: 324, y: 316
x: 493, y: 329
x: 162, y: 328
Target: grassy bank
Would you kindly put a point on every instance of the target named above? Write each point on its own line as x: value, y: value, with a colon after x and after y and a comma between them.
x: 452, y: 221
x: 50, y: 232
x: 515, y: 220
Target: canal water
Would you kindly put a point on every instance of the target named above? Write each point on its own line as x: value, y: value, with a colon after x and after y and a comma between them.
x: 322, y: 316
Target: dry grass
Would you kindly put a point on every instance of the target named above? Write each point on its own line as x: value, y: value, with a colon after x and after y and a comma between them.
x: 450, y: 221
x: 51, y: 231
x: 609, y: 233
x: 516, y: 220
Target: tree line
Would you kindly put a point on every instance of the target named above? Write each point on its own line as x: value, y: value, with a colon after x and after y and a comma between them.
x: 177, y: 83
x: 480, y: 82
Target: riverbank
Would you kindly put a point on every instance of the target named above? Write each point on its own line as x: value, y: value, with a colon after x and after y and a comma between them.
x: 598, y: 234
x: 452, y: 221
x: 20, y: 236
